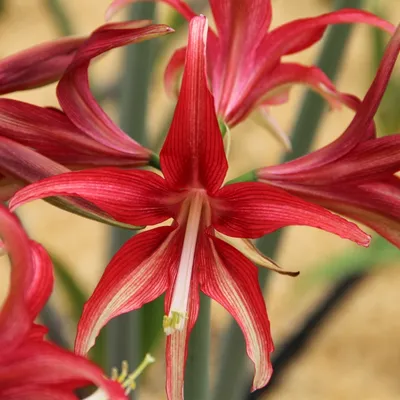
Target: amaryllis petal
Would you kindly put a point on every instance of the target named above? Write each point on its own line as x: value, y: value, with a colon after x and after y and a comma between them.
x: 50, y: 132
x: 253, y: 209
x: 127, y: 196
x: 40, y: 280
x: 250, y: 251
x: 230, y: 279
x: 15, y: 320
x: 136, y: 275
x: 280, y: 80
x: 240, y: 25
x: 361, y: 126
x: 375, y: 204
x: 38, y: 65
x: 367, y: 162
x: 179, y: 6
x: 73, y: 89
x: 174, y: 70
x: 176, y: 348
x: 33, y: 392
x: 42, y: 363
x: 193, y: 152
x: 298, y: 35
x: 8, y: 187
x: 27, y: 166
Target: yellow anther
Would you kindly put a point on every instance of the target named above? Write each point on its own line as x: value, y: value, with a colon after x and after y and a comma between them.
x: 114, y: 373
x: 124, y: 371
x: 173, y: 321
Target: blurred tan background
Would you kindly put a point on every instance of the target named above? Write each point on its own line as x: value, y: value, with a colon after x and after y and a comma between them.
x: 356, y: 355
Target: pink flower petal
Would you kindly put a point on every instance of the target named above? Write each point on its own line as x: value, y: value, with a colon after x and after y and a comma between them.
x: 193, y: 152
x: 230, y: 279
x: 136, y: 275
x: 253, y: 209
x: 74, y: 93
x: 38, y: 65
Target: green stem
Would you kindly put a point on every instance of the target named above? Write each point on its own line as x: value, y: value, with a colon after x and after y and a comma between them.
x: 196, y: 375
x: 60, y: 18
x: 124, y: 332
x: 305, y: 128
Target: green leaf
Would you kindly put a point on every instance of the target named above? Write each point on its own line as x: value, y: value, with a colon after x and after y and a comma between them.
x: 76, y: 295
x: 76, y: 299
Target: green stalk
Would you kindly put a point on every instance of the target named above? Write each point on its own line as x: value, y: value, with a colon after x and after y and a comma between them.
x: 197, y: 385
x: 60, y: 18
x: 233, y: 374
x: 124, y: 332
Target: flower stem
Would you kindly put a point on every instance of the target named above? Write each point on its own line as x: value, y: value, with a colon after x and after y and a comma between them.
x: 124, y: 332
x: 305, y: 128
x: 61, y: 19
x: 196, y: 375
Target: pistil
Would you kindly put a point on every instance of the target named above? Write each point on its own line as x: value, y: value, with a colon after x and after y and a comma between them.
x: 180, y: 297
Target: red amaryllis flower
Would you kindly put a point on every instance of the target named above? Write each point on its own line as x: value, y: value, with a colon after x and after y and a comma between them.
x: 245, y: 59
x: 187, y: 256
x: 354, y: 175
x: 38, y: 142
x: 30, y: 367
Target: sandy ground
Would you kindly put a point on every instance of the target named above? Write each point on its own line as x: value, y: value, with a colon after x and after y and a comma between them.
x: 356, y: 355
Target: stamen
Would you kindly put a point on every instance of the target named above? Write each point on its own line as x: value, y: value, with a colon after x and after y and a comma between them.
x: 180, y: 297
x: 126, y: 381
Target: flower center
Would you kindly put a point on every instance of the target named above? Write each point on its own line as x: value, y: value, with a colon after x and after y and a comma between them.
x: 180, y: 297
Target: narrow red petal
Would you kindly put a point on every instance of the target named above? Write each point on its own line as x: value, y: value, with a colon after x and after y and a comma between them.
x: 278, y: 83
x: 40, y: 280
x: 50, y: 132
x: 136, y: 275
x: 15, y: 319
x: 193, y: 152
x: 174, y: 70
x: 46, y: 365
x: 253, y: 209
x: 135, y: 197
x: 375, y: 204
x: 298, y: 35
x: 369, y: 161
x: 241, y: 25
x: 361, y: 127
x: 176, y: 350
x: 38, y: 65
x: 74, y: 93
x: 232, y: 280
